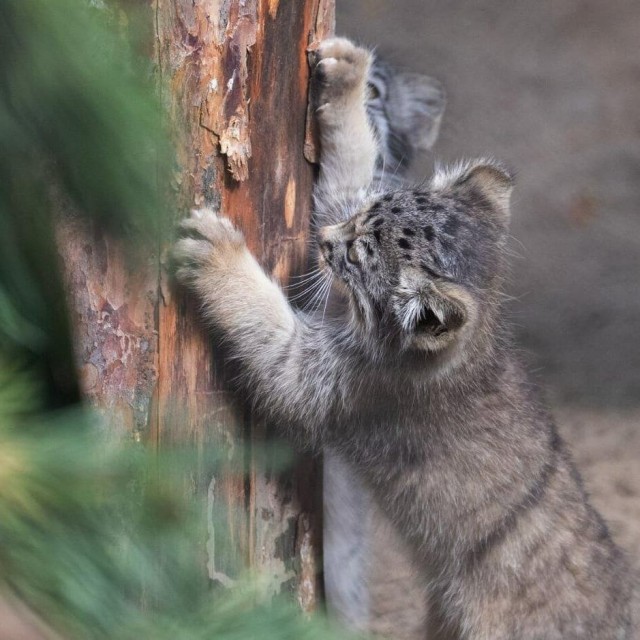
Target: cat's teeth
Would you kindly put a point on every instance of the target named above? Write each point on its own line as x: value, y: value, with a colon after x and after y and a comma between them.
x: 439, y: 313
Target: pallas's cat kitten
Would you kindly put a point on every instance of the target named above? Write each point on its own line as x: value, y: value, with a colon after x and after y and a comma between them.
x: 414, y: 383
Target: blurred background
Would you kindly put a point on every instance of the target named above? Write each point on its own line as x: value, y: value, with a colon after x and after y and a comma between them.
x: 553, y: 90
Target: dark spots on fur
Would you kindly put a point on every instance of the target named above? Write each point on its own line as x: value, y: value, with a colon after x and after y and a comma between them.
x: 378, y: 222
x: 408, y: 232
x: 373, y: 268
x: 387, y: 197
x: 370, y: 215
x: 406, y: 257
x: 451, y: 225
x: 376, y: 235
x: 422, y: 199
x: 396, y: 210
x: 438, y: 207
x: 368, y: 249
x: 404, y: 244
x: 428, y: 232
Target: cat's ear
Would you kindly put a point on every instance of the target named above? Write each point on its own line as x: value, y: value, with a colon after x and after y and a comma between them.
x: 485, y: 183
x: 417, y: 102
x: 433, y: 318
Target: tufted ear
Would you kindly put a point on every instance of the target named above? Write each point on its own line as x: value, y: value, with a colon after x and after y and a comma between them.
x: 417, y: 102
x: 487, y: 182
x: 433, y: 318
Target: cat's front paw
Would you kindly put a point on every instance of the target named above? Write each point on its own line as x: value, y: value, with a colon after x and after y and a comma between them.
x: 208, y: 243
x: 340, y: 75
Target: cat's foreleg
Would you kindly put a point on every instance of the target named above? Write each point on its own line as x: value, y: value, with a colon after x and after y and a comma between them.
x: 273, y: 343
x: 212, y: 259
x: 348, y: 148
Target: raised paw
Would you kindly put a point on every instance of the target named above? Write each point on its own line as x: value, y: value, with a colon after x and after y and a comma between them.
x: 207, y: 242
x: 340, y: 74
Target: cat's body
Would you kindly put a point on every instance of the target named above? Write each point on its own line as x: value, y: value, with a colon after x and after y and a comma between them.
x: 414, y: 385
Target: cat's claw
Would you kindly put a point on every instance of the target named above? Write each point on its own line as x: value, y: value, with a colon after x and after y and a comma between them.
x: 206, y: 241
x: 341, y: 72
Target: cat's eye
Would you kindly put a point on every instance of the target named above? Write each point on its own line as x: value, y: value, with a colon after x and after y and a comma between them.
x: 372, y: 92
x: 352, y: 254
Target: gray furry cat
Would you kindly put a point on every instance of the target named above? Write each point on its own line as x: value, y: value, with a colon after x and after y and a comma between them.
x: 414, y: 384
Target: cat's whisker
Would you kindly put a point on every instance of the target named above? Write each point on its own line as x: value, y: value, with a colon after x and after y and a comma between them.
x: 296, y: 288
x: 321, y: 297
x: 303, y: 282
x: 303, y: 290
x: 326, y: 300
x: 311, y: 287
x: 304, y: 275
x: 308, y: 291
x: 382, y: 174
x: 313, y: 302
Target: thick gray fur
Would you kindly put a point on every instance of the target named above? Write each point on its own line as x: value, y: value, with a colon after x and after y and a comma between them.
x: 414, y: 383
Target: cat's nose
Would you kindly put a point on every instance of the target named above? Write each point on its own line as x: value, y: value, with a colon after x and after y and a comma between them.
x: 331, y: 239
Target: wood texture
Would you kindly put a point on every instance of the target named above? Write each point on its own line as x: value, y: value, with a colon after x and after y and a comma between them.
x: 234, y: 76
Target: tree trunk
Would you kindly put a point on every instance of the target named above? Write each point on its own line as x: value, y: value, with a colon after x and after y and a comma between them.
x: 234, y: 75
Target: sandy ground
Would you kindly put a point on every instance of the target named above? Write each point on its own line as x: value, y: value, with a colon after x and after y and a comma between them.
x: 553, y: 89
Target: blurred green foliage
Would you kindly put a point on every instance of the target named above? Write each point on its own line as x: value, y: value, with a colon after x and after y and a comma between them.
x: 79, y: 124
x: 96, y: 537
x: 73, y: 94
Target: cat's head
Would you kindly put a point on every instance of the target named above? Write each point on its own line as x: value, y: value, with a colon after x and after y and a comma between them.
x: 424, y: 265
x: 405, y: 110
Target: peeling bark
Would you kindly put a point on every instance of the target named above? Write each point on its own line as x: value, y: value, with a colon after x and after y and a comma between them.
x: 234, y: 75
x: 226, y: 108
x: 113, y: 315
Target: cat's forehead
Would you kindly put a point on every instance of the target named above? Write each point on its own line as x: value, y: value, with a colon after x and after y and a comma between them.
x: 409, y: 207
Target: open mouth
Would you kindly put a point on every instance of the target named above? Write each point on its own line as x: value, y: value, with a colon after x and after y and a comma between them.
x: 428, y: 322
